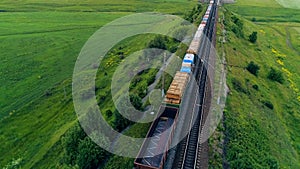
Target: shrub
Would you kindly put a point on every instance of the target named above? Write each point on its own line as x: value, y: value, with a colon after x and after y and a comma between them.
x: 275, y: 75
x: 237, y: 26
x: 255, y: 87
x: 90, y: 155
x: 269, y: 104
x: 194, y: 14
x: 121, y: 122
x: 108, y: 113
x: 253, y: 68
x: 237, y: 85
x: 141, y: 89
x: 238, y: 31
x: 136, y: 101
x: 151, y: 76
x: 158, y: 42
x: 253, y: 37
x: 272, y: 162
x: 70, y: 142
x: 173, y: 49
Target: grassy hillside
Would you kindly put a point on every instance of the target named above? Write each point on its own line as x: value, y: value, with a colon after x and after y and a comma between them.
x: 40, y: 42
x: 166, y: 6
x: 262, y: 117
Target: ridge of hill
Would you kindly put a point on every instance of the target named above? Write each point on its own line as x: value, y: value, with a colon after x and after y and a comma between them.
x: 261, y: 125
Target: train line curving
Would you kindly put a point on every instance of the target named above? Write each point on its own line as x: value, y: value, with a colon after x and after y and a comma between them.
x: 186, y: 98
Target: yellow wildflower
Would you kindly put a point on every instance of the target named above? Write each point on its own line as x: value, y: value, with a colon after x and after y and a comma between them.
x: 280, y: 62
x: 288, y: 73
x: 262, y: 31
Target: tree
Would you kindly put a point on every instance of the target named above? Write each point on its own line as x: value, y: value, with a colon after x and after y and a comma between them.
x: 136, y: 101
x: 237, y: 26
x: 269, y: 104
x: 253, y: 37
x: 194, y: 14
x: 90, y: 155
x: 158, y: 42
x: 70, y: 142
x: 253, y: 68
x: 108, y: 113
x: 275, y: 75
x: 238, y: 86
x: 121, y: 122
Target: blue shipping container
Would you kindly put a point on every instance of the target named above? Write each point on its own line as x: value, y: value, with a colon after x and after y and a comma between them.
x: 189, y: 58
x: 186, y: 69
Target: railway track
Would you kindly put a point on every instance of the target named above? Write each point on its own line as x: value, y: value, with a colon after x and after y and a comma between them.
x: 189, y: 150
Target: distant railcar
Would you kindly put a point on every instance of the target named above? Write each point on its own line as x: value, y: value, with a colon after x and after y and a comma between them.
x: 160, y: 137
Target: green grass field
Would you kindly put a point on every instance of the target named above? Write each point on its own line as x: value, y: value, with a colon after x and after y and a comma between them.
x: 40, y: 42
x: 166, y: 6
x: 256, y: 134
x: 295, y: 4
x: 37, y: 55
x: 265, y: 11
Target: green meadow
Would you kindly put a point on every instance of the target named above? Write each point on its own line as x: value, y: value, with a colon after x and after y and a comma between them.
x: 40, y: 42
x: 261, y: 119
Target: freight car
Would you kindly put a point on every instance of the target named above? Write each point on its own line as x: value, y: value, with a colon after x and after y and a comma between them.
x: 154, y: 149
x: 177, y: 87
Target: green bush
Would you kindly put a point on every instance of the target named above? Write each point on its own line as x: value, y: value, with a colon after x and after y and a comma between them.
x: 253, y: 68
x: 233, y: 23
x: 120, y: 122
x: 193, y: 16
x: 272, y: 162
x: 275, y: 75
x: 70, y: 142
x: 136, y: 101
x: 80, y: 150
x: 237, y: 85
x: 108, y: 113
x: 158, y: 42
x: 141, y: 89
x: 90, y: 155
x: 269, y: 104
x: 253, y: 37
x: 255, y: 86
x: 238, y: 26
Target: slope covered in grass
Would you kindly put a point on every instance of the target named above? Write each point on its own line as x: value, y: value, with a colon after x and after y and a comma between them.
x: 166, y: 6
x: 262, y: 117
x: 40, y: 42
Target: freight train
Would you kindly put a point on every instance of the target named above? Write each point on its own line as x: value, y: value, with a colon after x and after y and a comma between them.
x: 159, y: 139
